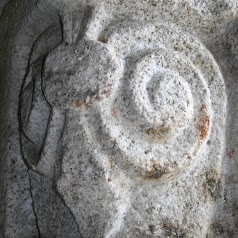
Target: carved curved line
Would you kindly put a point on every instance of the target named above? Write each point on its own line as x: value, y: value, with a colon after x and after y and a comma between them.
x: 48, y: 154
x: 39, y: 50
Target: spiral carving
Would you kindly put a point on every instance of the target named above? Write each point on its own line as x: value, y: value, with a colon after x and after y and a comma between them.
x: 161, y: 114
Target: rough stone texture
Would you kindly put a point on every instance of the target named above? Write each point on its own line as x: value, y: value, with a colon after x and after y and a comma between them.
x: 118, y: 118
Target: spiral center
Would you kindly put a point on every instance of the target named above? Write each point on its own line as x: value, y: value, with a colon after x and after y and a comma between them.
x: 162, y: 98
x: 171, y: 98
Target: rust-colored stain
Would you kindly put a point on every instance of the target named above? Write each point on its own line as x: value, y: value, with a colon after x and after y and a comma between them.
x: 156, y: 172
x: 204, y: 127
x: 107, y: 91
x: 172, y: 230
x: 98, y: 98
x: 114, y: 112
x: 79, y: 103
x: 159, y: 132
x: 230, y: 152
x: 212, y: 185
x: 203, y: 107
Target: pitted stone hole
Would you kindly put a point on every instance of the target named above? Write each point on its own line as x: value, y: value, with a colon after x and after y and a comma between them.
x: 171, y: 98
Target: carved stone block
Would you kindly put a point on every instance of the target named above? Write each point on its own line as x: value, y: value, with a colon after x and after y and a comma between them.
x: 118, y: 119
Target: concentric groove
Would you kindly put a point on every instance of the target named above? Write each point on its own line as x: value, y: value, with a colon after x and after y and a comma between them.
x: 154, y: 128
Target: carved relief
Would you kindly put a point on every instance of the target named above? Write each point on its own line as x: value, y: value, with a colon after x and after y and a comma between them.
x: 115, y: 121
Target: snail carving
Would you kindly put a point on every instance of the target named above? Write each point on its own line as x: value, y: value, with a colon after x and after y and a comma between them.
x: 118, y: 120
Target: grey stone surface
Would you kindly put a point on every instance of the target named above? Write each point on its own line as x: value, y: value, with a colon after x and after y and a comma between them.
x: 118, y: 118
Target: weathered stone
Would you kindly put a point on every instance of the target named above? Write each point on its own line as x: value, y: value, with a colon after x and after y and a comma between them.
x: 118, y: 118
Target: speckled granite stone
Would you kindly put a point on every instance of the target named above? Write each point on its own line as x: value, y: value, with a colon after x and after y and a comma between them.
x: 118, y: 119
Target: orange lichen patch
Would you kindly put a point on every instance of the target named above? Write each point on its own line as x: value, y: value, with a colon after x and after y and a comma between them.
x: 231, y: 152
x: 114, y: 112
x: 204, y: 127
